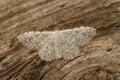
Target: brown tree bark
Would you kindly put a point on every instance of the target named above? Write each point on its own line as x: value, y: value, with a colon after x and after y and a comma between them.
x: 100, y: 60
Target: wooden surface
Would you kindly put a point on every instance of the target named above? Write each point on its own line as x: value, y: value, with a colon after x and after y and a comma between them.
x: 100, y: 60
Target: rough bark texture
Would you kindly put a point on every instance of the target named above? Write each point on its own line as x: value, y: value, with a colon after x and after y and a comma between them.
x: 100, y: 60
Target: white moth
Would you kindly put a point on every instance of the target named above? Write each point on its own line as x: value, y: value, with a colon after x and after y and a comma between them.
x: 58, y: 44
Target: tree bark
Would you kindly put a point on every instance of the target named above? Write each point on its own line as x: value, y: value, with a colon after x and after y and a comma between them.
x: 100, y: 60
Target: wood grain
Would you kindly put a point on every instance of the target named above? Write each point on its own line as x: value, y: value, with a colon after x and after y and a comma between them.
x: 98, y: 61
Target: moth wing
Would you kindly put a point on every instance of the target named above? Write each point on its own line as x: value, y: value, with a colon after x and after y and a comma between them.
x: 85, y: 35
x: 66, y: 45
x: 47, y: 52
x: 32, y: 40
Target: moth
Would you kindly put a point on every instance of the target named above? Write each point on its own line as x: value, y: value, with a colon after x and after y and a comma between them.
x: 54, y: 45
